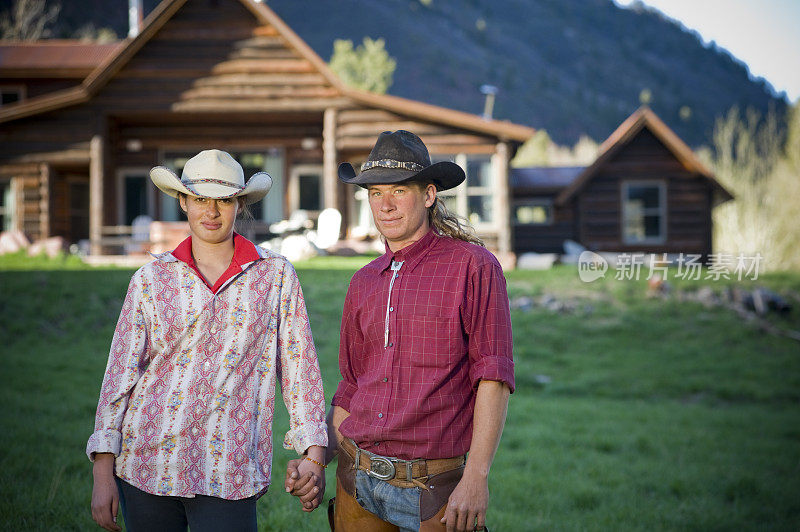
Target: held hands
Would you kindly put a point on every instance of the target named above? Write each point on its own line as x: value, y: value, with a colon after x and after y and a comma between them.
x: 305, y: 480
x: 466, y: 507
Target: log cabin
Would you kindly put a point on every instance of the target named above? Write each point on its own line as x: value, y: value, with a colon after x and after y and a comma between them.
x: 645, y: 192
x: 81, y: 125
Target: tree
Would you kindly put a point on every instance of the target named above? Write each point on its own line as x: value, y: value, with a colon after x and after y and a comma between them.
x: 367, y: 67
x: 534, y: 152
x: 540, y: 150
x: 28, y: 20
x: 752, y: 161
x: 88, y: 32
x: 793, y: 136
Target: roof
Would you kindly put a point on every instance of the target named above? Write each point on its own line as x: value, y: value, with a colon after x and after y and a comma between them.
x: 544, y: 176
x: 627, y: 131
x: 115, y: 61
x: 52, y: 58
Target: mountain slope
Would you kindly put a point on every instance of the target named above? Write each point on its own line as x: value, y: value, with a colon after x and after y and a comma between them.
x: 572, y: 67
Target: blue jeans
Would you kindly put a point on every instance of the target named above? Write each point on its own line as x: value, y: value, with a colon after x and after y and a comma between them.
x: 399, y: 506
x: 145, y: 512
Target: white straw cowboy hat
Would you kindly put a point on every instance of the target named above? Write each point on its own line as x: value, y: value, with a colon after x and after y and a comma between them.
x: 212, y: 174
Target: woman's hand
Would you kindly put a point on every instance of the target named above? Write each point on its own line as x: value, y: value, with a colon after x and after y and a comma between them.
x: 105, y: 495
x: 305, y: 479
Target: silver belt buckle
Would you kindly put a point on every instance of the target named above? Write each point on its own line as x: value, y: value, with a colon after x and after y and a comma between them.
x: 381, y: 468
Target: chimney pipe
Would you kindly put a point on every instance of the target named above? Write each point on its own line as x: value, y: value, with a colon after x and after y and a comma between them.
x: 489, y: 91
x: 134, y: 17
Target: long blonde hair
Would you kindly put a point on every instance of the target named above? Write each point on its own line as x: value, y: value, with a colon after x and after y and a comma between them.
x: 450, y: 224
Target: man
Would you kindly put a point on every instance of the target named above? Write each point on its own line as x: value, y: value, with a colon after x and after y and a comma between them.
x: 425, y: 357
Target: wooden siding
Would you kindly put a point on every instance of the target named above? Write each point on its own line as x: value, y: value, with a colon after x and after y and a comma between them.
x: 32, y: 87
x: 688, y: 194
x: 211, y: 74
x: 231, y: 64
x: 358, y: 128
x: 542, y: 238
x: 31, y: 195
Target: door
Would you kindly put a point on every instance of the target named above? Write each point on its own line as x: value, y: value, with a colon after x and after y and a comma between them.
x: 135, y: 195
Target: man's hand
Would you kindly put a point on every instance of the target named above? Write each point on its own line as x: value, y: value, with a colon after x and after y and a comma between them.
x: 105, y: 496
x: 466, y: 507
x: 305, y: 480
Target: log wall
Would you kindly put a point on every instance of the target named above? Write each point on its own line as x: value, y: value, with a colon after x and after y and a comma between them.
x: 688, y: 212
x: 213, y: 75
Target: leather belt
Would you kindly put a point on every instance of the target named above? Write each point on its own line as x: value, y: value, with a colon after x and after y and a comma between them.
x: 394, y: 469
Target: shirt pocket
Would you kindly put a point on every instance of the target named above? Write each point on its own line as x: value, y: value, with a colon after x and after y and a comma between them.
x: 434, y: 342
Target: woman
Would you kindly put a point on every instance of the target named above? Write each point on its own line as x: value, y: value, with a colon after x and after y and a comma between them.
x: 183, y: 427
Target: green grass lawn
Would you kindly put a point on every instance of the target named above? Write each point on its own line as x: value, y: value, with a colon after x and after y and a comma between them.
x: 630, y: 413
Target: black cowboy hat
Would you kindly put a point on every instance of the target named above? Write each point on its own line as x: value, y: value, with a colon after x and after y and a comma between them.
x: 401, y: 156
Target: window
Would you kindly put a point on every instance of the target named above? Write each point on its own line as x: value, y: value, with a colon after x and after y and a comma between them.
x: 309, y: 191
x: 78, y: 196
x: 643, y: 212
x: 11, y: 94
x: 6, y: 206
x: 135, y: 194
x: 268, y: 210
x: 473, y: 199
x: 533, y: 212
x: 361, y: 222
x: 305, y: 188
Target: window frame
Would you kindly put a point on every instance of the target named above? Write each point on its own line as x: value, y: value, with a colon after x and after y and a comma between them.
x: 8, y: 212
x: 547, y: 203
x: 21, y: 91
x: 150, y: 188
x: 464, y: 191
x: 661, y: 211
x: 294, y: 186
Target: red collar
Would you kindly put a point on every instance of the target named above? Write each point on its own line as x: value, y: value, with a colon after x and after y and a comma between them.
x: 244, y: 252
x: 410, y: 254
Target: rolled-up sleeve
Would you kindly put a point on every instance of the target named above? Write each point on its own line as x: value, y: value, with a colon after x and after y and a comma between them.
x: 301, y: 381
x: 487, y: 319
x: 127, y: 361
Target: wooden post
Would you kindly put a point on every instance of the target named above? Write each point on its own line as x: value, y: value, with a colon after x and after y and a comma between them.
x: 44, y: 200
x: 96, y: 167
x: 330, y: 179
x: 17, y: 222
x: 502, y: 201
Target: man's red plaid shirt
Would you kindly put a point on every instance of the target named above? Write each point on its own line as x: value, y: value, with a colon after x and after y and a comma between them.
x: 411, y: 393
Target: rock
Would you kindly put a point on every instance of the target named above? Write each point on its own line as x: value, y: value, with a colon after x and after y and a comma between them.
x: 52, y: 247
x: 297, y: 247
x: 523, y: 303
x: 536, y: 261
x: 13, y: 241
x: 707, y: 296
x: 573, y: 248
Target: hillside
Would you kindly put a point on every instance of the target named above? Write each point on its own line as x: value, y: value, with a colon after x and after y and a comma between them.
x: 571, y: 68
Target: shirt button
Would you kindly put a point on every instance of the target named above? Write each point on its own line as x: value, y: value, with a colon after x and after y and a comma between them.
x: 391, y: 309
x: 390, y: 344
x: 385, y: 379
x: 380, y: 414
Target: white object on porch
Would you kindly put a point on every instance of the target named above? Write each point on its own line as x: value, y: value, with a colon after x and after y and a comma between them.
x: 140, y: 234
x: 328, y: 225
